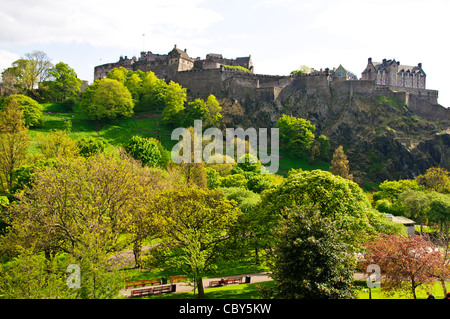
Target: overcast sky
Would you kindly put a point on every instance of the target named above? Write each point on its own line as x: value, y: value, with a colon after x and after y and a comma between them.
x: 280, y: 35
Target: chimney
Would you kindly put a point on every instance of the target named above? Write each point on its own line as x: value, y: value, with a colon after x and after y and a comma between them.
x: 370, y: 60
x: 184, y: 50
x: 420, y: 65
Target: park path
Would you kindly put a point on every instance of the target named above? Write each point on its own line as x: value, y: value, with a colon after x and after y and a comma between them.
x: 254, y: 278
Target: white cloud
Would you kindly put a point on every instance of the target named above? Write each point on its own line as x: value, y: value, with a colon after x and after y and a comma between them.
x: 102, y: 22
x: 6, y: 58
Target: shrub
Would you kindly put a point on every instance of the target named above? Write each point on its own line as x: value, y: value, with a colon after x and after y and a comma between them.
x: 32, y: 110
x: 144, y: 149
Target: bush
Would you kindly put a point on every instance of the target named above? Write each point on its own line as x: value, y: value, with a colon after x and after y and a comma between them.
x: 68, y: 105
x: 90, y: 146
x: 32, y: 110
x: 144, y: 149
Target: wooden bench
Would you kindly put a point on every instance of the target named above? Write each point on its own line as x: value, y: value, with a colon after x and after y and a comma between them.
x: 151, y: 291
x: 143, y: 283
x: 178, y: 278
x: 141, y: 292
x: 216, y: 283
x: 162, y: 289
x: 233, y: 280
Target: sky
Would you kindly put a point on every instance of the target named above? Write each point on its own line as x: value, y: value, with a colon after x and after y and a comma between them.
x: 280, y: 35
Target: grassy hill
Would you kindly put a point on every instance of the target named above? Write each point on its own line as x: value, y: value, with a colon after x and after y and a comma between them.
x: 120, y: 131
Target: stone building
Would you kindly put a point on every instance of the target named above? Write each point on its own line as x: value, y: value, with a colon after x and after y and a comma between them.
x: 392, y: 73
x: 342, y: 74
x: 168, y: 65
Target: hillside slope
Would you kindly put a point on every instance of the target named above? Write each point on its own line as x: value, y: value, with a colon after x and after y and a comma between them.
x: 382, y: 136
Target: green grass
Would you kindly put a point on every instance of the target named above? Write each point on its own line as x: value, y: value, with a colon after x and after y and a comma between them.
x: 421, y: 293
x: 240, y: 291
x: 288, y: 162
x: 116, y: 132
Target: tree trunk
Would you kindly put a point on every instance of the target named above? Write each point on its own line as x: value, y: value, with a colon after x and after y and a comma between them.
x: 201, y: 290
x: 137, y: 251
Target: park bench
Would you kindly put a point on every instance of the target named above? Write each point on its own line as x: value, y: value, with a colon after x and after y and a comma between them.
x: 216, y: 283
x: 143, y: 283
x: 156, y: 290
x: 174, y: 279
x: 141, y: 292
x: 162, y: 289
x: 233, y: 280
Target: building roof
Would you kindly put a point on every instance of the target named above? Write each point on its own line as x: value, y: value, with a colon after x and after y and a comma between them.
x: 181, y: 53
x: 401, y: 220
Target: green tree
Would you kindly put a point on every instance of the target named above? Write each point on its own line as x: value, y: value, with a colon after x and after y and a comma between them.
x: 436, y: 179
x: 339, y: 164
x: 107, y: 99
x: 32, y: 110
x: 144, y: 149
x: 32, y: 276
x: 335, y: 197
x: 296, y: 135
x: 197, y: 222
x: 89, y: 146
x: 213, y: 116
x: 311, y: 259
x: 196, y: 110
x: 57, y: 144
x: 14, y: 142
x: 415, y: 204
x: 152, y: 93
x: 174, y: 97
x: 25, y: 73
x: 65, y: 83
x: 302, y: 70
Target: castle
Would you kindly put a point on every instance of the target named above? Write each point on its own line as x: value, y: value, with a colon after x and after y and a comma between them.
x: 235, y: 78
x: 168, y: 65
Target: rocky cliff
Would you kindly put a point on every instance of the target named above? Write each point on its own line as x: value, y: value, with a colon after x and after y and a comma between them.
x: 383, y: 137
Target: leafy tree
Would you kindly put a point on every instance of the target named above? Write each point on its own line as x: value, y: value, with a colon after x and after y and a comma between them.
x: 197, y: 110
x: 213, y: 107
x: 415, y: 204
x: 32, y: 276
x: 213, y: 178
x: 339, y: 164
x: 107, y: 99
x: 57, y: 144
x: 65, y: 83
x: 439, y: 213
x: 311, y: 260
x: 405, y: 262
x: 134, y: 85
x: 296, y: 135
x: 302, y: 70
x: 119, y: 74
x: 89, y: 146
x: 196, y: 221
x: 32, y: 110
x: 173, y: 97
x: 246, y: 234
x: 234, y: 180
x: 144, y: 149
x: 152, y: 93
x: 25, y: 73
x: 14, y: 142
x: 436, y: 179
x: 324, y: 146
x: 338, y: 198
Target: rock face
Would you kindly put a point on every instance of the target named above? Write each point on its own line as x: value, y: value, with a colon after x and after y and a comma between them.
x: 383, y: 137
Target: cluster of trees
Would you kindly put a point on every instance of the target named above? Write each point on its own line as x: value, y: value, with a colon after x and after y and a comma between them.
x: 297, y: 138
x: 122, y: 92
x: 35, y: 76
